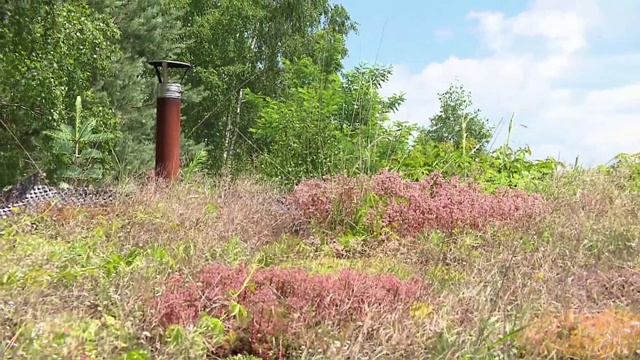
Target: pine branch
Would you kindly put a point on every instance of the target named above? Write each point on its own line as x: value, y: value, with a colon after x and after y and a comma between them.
x: 35, y: 112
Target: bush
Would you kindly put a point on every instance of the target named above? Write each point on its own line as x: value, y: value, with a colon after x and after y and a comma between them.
x: 407, y: 208
x: 281, y: 303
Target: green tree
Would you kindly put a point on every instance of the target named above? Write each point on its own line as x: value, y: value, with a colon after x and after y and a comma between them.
x: 373, y: 141
x: 241, y: 44
x: 151, y: 30
x: 77, y: 147
x: 296, y: 136
x: 327, y: 125
x: 456, y: 123
x: 51, y: 53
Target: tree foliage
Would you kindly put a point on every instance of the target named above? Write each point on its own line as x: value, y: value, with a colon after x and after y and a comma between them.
x: 327, y: 125
x: 268, y: 93
x: 457, y: 123
x: 52, y: 52
x: 242, y: 45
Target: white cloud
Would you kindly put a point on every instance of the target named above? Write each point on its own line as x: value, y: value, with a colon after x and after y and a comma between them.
x: 541, y: 66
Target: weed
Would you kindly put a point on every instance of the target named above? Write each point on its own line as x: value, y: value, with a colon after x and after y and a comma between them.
x: 385, y: 268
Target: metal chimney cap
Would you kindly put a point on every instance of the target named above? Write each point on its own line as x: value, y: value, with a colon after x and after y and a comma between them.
x: 171, y: 64
x: 159, y: 64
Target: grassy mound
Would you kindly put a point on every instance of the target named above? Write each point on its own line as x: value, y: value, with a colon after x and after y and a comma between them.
x: 352, y: 268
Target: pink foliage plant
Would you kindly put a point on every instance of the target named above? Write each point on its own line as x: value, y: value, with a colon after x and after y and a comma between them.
x: 411, y: 207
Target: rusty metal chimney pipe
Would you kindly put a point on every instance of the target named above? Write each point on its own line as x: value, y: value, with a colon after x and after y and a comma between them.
x: 169, y: 101
x: 168, y: 131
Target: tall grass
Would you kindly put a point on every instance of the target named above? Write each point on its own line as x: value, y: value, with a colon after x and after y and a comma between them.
x: 79, y: 283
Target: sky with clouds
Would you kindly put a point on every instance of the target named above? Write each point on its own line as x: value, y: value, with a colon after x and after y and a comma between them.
x: 569, y: 69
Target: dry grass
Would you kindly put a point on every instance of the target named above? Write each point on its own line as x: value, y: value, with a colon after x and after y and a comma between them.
x: 79, y: 283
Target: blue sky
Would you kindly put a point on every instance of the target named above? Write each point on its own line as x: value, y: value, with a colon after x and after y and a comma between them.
x: 570, y: 69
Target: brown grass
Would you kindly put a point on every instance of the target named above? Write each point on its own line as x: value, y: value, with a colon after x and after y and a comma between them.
x: 76, y: 283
